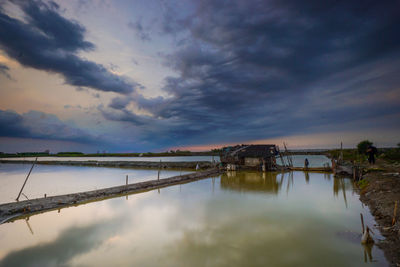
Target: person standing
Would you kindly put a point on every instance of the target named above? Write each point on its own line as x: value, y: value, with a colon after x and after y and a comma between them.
x: 371, y: 152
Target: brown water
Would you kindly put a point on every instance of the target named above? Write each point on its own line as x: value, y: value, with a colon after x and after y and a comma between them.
x: 237, y: 219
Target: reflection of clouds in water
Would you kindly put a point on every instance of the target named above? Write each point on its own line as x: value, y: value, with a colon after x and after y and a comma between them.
x: 254, y: 237
x: 70, y: 243
x: 193, y: 227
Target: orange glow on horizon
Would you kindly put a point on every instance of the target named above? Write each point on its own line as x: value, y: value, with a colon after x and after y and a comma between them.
x: 310, y: 141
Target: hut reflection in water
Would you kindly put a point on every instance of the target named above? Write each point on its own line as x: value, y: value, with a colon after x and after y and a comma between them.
x: 272, y: 182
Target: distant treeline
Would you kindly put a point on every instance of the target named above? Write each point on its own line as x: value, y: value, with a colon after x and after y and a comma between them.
x: 387, y: 153
x: 25, y: 154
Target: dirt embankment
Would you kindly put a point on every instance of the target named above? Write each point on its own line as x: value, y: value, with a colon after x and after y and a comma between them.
x: 203, y: 165
x: 380, y: 189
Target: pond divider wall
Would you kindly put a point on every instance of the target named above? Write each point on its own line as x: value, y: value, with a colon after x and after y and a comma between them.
x: 10, y: 211
x: 122, y: 164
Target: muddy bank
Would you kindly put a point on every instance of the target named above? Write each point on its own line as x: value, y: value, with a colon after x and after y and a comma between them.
x: 379, y: 191
x: 24, y: 208
x: 379, y: 187
x: 122, y: 164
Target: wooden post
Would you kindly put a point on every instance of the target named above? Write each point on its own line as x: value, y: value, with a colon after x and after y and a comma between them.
x: 159, y: 170
x: 333, y: 166
x: 26, y: 179
x: 126, y: 179
x: 394, y: 213
x: 341, y: 151
x: 362, y: 222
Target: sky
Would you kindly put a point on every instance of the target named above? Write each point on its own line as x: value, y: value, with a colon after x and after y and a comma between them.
x: 155, y: 75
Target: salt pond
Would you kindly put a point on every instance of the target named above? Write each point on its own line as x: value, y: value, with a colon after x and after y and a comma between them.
x: 58, y: 180
x: 237, y: 219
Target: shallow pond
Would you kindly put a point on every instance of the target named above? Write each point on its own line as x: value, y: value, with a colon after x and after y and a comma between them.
x: 58, y: 180
x: 237, y: 219
x: 314, y: 160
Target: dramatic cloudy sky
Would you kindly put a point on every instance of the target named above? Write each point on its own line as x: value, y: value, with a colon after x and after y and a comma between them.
x: 154, y: 75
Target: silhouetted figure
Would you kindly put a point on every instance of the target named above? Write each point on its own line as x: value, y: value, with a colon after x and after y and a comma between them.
x: 306, y: 163
x: 371, y: 152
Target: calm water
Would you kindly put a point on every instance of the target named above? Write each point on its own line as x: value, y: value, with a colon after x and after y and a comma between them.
x: 314, y: 160
x: 237, y: 219
x: 298, y: 160
x: 57, y: 180
x: 153, y: 159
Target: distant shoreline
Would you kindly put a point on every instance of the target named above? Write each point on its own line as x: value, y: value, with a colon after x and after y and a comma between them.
x: 143, y: 155
x: 327, y: 152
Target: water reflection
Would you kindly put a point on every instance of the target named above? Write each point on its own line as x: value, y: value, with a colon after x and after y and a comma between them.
x: 368, y: 252
x: 70, y: 243
x: 341, y: 184
x: 252, y: 181
x: 273, y: 182
x: 226, y: 221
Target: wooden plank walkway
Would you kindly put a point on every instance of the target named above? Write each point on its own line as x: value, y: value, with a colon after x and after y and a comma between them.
x: 11, y: 211
x: 312, y: 169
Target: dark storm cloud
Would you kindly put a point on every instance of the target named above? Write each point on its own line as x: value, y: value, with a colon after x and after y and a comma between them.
x: 138, y: 28
x: 48, y: 41
x: 4, y: 69
x: 251, y: 69
x: 35, y: 124
x: 119, y: 102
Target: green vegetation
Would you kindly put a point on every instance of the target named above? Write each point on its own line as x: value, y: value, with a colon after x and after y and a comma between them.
x: 69, y: 154
x: 388, y: 154
x: 348, y: 155
x: 392, y: 154
x: 363, y: 146
x: 362, y: 184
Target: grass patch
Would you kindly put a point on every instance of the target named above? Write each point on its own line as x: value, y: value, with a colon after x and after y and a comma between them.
x: 362, y: 184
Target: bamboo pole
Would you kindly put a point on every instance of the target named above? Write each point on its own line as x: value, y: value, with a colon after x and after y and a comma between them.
x: 26, y: 179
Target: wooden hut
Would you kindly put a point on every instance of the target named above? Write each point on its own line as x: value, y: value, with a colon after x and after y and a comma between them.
x: 258, y: 157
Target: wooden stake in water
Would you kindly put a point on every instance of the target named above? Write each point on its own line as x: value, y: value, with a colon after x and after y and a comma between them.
x: 394, y: 213
x: 126, y: 179
x: 362, y: 222
x: 159, y: 170
x: 341, y: 151
x: 26, y: 179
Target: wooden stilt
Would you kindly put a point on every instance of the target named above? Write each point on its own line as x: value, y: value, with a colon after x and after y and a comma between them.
x: 394, y: 213
x: 26, y: 179
x: 362, y: 222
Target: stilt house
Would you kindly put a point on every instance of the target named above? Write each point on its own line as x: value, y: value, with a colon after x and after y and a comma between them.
x: 259, y: 157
